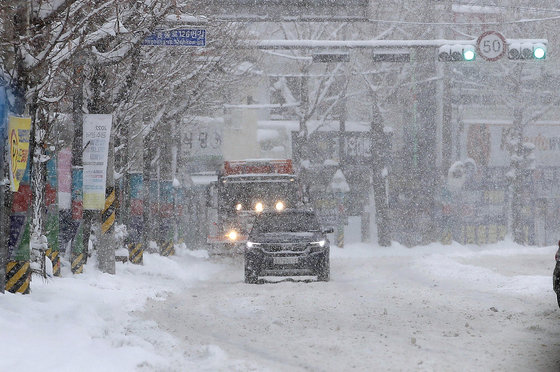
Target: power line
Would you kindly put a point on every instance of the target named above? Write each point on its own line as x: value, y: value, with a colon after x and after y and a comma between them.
x: 257, y: 18
x: 492, y: 23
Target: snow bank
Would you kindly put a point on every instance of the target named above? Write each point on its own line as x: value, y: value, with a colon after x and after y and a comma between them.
x: 85, y: 322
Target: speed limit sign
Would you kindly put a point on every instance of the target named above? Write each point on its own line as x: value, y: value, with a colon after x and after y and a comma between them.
x: 491, y: 45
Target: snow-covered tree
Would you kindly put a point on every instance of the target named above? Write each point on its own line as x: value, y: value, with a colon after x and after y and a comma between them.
x: 41, y: 41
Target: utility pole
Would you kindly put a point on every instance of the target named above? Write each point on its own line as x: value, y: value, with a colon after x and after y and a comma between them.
x: 425, y: 173
x: 100, y: 104
x: 379, y: 150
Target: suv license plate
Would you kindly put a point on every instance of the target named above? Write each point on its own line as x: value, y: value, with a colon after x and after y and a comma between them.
x: 285, y: 260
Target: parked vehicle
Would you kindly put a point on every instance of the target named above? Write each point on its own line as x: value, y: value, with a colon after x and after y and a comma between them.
x: 556, y: 275
x: 287, y: 243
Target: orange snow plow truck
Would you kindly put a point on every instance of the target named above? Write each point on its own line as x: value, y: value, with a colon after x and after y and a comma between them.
x: 245, y: 188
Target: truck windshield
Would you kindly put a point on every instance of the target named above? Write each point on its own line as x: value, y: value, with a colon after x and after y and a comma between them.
x: 285, y: 222
x: 248, y: 193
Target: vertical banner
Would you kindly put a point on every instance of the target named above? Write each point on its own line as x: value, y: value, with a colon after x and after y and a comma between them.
x: 77, y: 257
x: 64, y: 175
x: 97, y: 132
x: 77, y: 193
x: 64, y: 178
x: 18, y: 138
x: 19, y: 223
x: 52, y: 225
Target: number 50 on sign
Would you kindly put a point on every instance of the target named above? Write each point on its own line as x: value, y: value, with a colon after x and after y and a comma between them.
x: 491, y: 45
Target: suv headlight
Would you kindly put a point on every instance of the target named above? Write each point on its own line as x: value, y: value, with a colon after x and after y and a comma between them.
x: 280, y: 206
x: 320, y: 243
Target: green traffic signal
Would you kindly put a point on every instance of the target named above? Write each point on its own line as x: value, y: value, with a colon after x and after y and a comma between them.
x: 456, y: 53
x: 539, y: 52
x: 469, y: 55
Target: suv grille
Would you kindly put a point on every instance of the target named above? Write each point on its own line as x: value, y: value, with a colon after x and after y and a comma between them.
x: 279, y: 247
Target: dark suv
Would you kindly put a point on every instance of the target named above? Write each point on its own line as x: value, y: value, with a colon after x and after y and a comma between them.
x: 556, y: 275
x: 287, y: 243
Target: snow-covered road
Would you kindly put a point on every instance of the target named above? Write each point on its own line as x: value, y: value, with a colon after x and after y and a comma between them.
x: 434, y: 308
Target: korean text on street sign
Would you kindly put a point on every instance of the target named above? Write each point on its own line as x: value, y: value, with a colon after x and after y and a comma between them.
x: 491, y: 45
x: 97, y: 131
x: 183, y: 37
x: 18, y: 139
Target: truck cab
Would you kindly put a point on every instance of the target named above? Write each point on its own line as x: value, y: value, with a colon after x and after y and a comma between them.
x: 246, y: 188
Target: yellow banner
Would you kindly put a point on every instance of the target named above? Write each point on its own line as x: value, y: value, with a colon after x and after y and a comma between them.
x: 18, y: 138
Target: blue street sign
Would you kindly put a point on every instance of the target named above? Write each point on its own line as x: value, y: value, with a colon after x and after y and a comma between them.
x: 183, y: 37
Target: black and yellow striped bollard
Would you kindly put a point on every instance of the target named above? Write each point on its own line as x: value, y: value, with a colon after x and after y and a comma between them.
x: 136, y: 253
x: 108, y: 215
x: 78, y: 262
x: 168, y: 248
x: 18, y: 277
x: 54, y: 256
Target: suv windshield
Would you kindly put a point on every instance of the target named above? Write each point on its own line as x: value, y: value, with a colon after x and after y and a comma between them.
x: 285, y: 222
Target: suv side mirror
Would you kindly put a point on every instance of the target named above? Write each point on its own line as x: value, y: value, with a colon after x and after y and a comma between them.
x: 328, y: 230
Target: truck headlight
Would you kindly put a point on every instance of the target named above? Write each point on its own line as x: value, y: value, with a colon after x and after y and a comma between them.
x: 238, y: 207
x: 259, y: 207
x: 232, y: 235
x: 279, y: 206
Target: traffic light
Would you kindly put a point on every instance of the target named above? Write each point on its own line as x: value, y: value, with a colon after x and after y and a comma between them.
x: 457, y: 52
x: 526, y: 50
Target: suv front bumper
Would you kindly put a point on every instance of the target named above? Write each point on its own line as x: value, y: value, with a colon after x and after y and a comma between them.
x: 285, y: 263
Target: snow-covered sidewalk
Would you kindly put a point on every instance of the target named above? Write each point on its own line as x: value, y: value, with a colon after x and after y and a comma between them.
x: 86, y: 322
